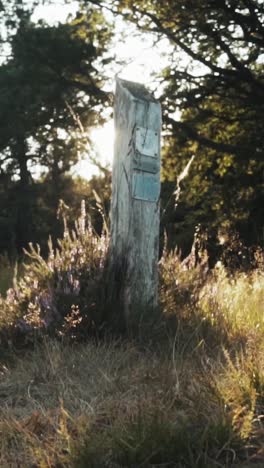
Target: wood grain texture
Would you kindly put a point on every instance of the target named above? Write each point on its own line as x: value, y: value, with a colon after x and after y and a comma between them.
x: 135, y: 207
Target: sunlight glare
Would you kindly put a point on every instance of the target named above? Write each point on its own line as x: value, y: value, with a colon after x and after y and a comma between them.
x: 103, y: 140
x: 137, y: 60
x: 55, y: 13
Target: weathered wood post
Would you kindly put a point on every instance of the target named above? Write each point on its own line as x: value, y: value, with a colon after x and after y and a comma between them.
x: 135, y: 213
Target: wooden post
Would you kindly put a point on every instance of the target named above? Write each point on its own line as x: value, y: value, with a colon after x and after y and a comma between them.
x: 135, y: 213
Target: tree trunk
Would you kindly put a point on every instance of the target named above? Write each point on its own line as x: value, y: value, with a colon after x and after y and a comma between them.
x: 24, y: 205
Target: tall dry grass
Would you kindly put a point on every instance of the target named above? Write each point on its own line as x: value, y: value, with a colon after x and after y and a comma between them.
x: 188, y: 393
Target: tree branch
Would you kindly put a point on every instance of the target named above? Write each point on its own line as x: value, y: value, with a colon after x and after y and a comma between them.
x: 193, y: 135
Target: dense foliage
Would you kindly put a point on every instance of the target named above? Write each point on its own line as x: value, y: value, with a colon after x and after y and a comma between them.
x: 212, y: 98
x: 213, y: 101
x: 51, y: 95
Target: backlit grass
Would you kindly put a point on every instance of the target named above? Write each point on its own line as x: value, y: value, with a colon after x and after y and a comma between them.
x: 188, y: 393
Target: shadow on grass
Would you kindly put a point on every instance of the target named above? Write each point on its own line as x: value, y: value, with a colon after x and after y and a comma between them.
x: 184, y: 425
x: 159, y: 440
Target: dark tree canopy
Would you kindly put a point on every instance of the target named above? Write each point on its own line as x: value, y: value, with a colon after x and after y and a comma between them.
x: 212, y: 97
x: 50, y: 79
x: 50, y: 96
x: 213, y: 106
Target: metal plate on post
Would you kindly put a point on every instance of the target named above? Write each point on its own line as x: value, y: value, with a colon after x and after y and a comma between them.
x: 147, y: 142
x: 145, y: 163
x: 145, y: 186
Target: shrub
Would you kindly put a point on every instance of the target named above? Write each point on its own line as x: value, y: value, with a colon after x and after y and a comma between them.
x: 62, y: 291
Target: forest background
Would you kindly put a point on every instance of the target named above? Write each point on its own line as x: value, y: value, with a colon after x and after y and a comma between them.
x: 54, y: 90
